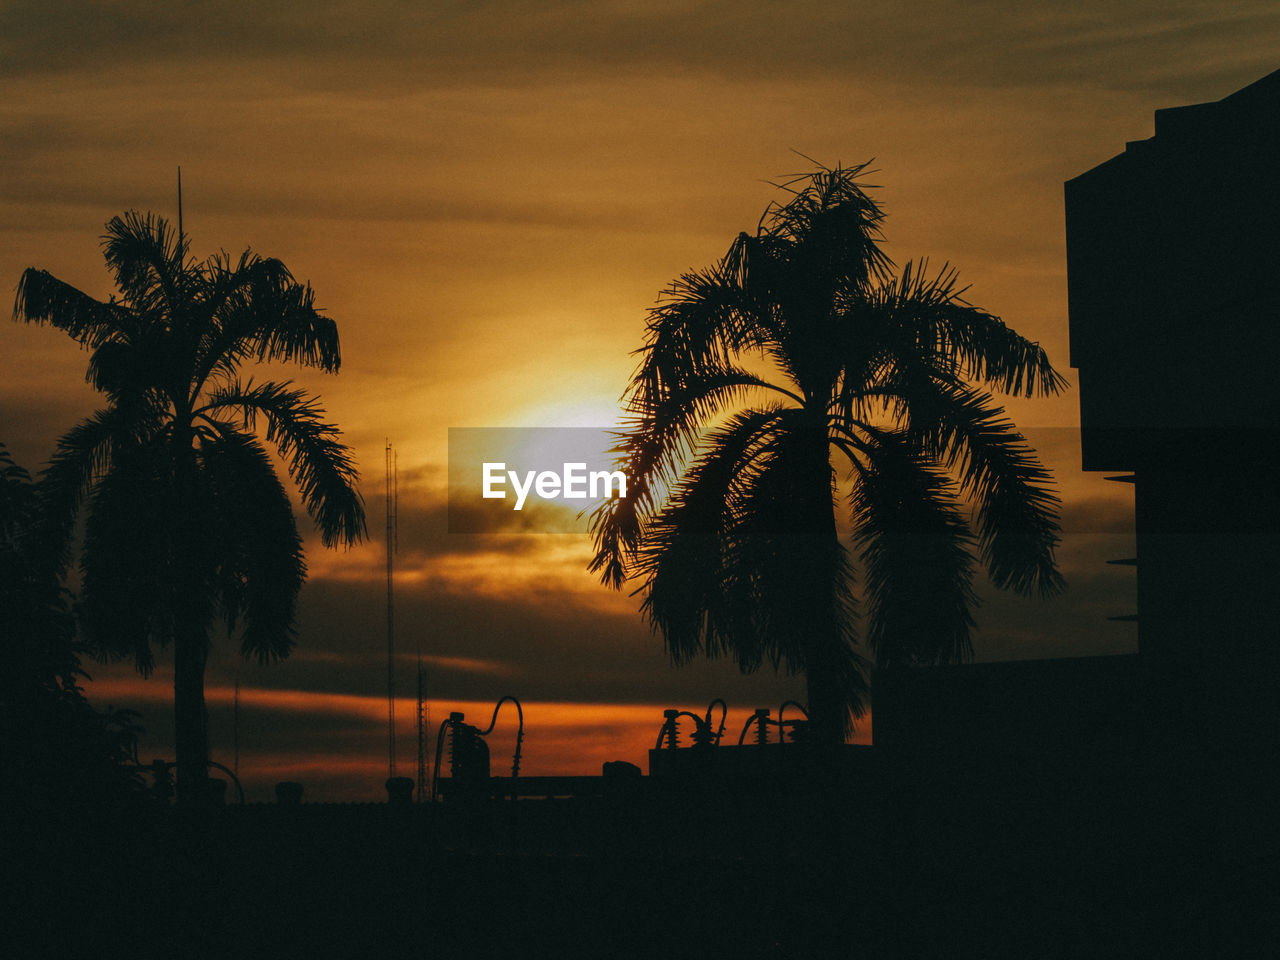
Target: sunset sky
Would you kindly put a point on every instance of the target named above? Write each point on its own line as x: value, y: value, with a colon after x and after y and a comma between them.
x: 487, y: 197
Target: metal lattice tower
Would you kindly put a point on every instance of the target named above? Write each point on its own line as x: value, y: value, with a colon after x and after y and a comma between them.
x: 423, y: 727
x: 392, y: 485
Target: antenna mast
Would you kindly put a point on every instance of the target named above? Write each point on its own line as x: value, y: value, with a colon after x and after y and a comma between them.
x: 236, y: 728
x: 423, y: 726
x: 392, y: 536
x: 180, y: 234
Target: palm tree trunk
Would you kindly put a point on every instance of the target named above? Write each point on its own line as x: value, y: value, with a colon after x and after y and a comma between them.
x: 190, y: 719
x: 826, y: 678
x: 825, y: 669
x: 828, y: 704
x: 191, y: 639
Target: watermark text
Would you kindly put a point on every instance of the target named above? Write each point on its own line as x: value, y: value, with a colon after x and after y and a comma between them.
x: 573, y: 482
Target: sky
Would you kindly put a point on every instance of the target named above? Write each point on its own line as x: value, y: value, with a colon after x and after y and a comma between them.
x: 488, y: 197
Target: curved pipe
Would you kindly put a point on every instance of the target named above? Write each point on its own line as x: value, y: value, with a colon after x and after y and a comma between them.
x: 515, y: 763
x: 498, y: 706
x: 724, y: 714
x: 790, y: 723
x: 792, y: 703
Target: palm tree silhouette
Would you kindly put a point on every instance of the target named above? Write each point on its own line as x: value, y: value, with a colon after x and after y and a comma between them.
x: 186, y: 518
x: 730, y: 525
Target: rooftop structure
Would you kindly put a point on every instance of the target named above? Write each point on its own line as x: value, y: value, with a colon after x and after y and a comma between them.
x: 1173, y: 256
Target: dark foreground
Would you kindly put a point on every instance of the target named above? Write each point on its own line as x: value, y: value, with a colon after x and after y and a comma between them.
x: 622, y: 878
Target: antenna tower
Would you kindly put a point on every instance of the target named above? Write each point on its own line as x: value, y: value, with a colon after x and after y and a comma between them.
x: 235, y: 725
x: 179, y: 211
x: 393, y: 497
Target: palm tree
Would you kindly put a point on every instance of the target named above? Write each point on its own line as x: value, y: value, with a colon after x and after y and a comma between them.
x: 801, y: 354
x: 186, y: 518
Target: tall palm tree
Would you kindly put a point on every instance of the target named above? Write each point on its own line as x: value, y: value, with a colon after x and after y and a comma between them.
x: 186, y: 518
x: 798, y: 358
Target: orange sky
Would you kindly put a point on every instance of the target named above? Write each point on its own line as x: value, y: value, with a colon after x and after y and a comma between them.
x: 488, y: 199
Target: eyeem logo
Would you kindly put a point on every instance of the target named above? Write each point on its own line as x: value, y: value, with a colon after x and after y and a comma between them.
x: 573, y: 482
x: 505, y: 481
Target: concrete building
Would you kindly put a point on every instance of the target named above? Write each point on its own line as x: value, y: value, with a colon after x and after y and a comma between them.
x: 1173, y: 257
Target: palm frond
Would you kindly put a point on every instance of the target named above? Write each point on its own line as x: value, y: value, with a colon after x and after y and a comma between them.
x: 293, y: 329
x: 833, y: 220
x: 38, y: 650
x: 1017, y: 508
x: 255, y: 309
x: 931, y: 311
x: 261, y: 568
x: 618, y: 525
x: 671, y: 423
x: 133, y: 560
x: 43, y: 298
x: 318, y: 461
x: 17, y: 496
x: 661, y: 438
x: 696, y: 593
x: 270, y: 314
x: 702, y: 321
x: 915, y: 555
x: 144, y: 253
x: 84, y: 454
x: 133, y: 374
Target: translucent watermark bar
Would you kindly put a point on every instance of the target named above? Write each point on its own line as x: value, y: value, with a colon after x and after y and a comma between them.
x: 512, y: 480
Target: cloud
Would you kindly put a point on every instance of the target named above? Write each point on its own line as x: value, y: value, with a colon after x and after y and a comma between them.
x: 30, y: 427
x: 393, y: 45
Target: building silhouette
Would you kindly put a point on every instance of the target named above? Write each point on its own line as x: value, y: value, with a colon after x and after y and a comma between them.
x: 1173, y: 256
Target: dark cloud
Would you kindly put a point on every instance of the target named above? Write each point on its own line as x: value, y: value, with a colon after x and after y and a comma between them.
x: 556, y: 642
x: 552, y: 646
x: 397, y: 44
